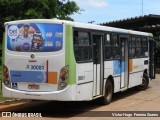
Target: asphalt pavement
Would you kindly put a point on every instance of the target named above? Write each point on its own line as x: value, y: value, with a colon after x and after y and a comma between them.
x: 131, y: 104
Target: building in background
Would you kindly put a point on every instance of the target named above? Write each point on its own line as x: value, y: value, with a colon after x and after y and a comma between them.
x: 147, y: 23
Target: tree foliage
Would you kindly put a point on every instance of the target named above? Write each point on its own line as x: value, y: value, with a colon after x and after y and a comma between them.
x: 28, y: 9
x: 34, y: 9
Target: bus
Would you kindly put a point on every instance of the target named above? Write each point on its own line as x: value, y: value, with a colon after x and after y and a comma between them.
x: 52, y: 59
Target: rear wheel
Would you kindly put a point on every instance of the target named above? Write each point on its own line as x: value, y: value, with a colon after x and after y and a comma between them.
x: 145, y: 82
x: 107, y: 98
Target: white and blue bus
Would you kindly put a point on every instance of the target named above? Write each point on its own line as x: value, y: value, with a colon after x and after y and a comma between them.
x: 51, y: 59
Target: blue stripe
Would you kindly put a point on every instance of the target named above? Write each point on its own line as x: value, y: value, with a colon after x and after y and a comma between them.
x: 27, y: 76
x: 118, y: 67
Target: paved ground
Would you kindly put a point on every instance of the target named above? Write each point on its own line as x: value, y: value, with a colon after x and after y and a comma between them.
x: 131, y: 100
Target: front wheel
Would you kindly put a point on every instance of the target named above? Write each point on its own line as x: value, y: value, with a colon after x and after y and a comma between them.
x: 107, y: 98
x: 145, y: 82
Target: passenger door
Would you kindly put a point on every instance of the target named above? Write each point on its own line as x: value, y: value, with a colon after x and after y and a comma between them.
x: 151, y: 59
x: 124, y: 62
x: 97, y: 64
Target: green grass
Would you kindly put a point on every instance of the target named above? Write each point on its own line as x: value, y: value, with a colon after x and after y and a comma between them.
x: 0, y: 80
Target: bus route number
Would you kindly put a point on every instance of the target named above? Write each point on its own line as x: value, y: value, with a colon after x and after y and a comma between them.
x: 35, y: 67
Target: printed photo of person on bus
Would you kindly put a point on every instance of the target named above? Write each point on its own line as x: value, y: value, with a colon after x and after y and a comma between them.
x: 23, y: 43
x: 25, y: 39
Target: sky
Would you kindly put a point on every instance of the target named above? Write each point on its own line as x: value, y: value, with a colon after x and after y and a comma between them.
x: 102, y: 11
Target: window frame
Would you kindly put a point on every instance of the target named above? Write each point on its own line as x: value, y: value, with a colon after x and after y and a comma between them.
x: 108, y: 46
x: 137, y: 47
x: 83, y: 46
x: 145, y: 46
x: 114, y: 46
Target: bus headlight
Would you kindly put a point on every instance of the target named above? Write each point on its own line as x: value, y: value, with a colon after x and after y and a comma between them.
x: 63, y: 78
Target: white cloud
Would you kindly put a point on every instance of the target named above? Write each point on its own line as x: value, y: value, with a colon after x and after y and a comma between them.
x: 97, y: 3
x: 92, y: 3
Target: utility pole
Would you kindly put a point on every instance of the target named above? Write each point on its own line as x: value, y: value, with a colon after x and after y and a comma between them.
x: 142, y: 7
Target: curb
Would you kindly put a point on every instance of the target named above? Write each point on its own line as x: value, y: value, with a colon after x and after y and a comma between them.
x: 10, y: 101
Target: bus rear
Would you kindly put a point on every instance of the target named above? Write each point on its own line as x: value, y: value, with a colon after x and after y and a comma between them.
x: 34, y: 64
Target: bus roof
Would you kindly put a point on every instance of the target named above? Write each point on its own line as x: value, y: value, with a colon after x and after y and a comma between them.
x: 81, y: 25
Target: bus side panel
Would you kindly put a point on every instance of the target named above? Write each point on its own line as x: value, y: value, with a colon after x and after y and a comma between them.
x: 69, y: 56
x: 70, y: 62
x: 135, y: 79
x: 84, y: 92
x: 68, y: 94
x: 84, y: 79
x: 109, y: 69
x: 136, y: 70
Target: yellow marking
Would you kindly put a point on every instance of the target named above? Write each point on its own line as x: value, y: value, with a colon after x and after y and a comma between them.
x: 52, y: 77
x: 130, y: 65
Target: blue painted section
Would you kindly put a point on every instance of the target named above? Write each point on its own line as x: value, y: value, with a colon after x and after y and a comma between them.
x: 117, y: 68
x: 51, y: 34
x: 27, y: 76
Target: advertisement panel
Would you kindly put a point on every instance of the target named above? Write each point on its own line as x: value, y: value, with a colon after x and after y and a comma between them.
x: 35, y: 37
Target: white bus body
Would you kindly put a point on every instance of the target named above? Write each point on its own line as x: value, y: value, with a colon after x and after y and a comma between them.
x: 68, y: 61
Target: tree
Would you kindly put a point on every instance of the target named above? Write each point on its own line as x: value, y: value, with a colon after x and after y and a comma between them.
x: 34, y: 9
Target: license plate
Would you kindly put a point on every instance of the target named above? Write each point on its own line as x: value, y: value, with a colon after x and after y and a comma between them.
x: 33, y: 86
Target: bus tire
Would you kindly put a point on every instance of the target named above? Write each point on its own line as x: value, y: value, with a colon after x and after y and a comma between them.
x: 107, y: 98
x: 145, y: 82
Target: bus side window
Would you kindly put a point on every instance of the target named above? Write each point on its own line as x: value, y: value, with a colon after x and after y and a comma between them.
x: 132, y: 47
x: 144, y: 48
x: 77, y: 54
x: 108, y: 47
x: 116, y: 52
x: 87, y: 54
x: 75, y: 38
x: 116, y: 47
x: 138, y: 47
x: 82, y: 46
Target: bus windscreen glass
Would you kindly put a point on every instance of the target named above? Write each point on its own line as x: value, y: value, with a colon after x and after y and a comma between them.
x: 35, y: 37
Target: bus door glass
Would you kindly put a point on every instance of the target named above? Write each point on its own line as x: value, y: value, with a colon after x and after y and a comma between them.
x: 151, y: 59
x: 124, y: 62
x: 97, y: 64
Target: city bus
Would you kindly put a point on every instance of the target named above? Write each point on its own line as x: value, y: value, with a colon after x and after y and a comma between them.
x: 52, y: 59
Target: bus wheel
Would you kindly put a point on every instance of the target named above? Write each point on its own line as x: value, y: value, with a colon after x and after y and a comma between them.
x: 106, y: 99
x: 145, y: 82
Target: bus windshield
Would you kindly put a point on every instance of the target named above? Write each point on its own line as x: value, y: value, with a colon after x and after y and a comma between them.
x: 35, y: 37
